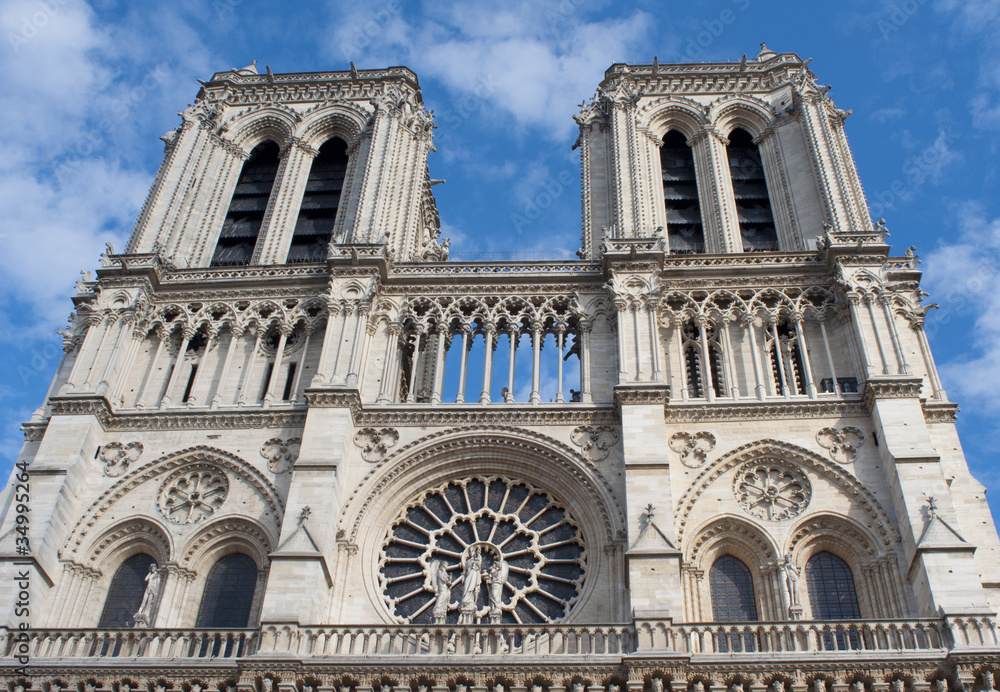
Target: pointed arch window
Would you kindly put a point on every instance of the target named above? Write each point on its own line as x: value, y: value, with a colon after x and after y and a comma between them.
x: 732, y: 601
x: 753, y: 206
x: 832, y: 594
x: 246, y: 210
x: 125, y: 594
x: 680, y: 195
x: 229, y: 593
x: 320, y: 203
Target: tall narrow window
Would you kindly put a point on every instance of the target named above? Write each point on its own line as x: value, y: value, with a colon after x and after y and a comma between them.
x: 832, y: 596
x: 831, y: 588
x: 680, y: 195
x: 125, y: 594
x: 732, y: 601
x: 229, y: 593
x: 246, y: 211
x: 786, y: 367
x: 318, y: 212
x: 753, y: 207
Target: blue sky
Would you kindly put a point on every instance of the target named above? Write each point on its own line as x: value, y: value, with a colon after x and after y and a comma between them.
x: 87, y: 88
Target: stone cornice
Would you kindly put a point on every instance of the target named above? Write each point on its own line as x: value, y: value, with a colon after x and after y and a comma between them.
x: 891, y: 387
x: 499, y: 414
x: 940, y: 411
x: 111, y: 421
x: 641, y: 394
x: 766, y: 410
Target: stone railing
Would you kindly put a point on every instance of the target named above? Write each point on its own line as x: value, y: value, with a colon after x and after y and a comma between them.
x: 449, y: 640
x: 653, y: 637
x: 129, y: 643
x: 816, y: 636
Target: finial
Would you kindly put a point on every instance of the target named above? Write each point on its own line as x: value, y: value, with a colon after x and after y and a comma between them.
x: 304, y: 514
x: 649, y: 511
x: 932, y: 505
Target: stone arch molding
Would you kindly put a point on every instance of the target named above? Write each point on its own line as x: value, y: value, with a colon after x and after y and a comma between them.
x: 879, y: 521
x: 284, y: 125
x: 474, y: 443
x: 453, y: 454
x: 80, y: 548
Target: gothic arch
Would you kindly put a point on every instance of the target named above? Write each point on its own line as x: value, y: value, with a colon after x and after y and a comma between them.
x: 741, y: 110
x: 337, y: 119
x: 733, y: 535
x: 157, y: 468
x: 685, y: 115
x: 838, y: 477
x: 225, y: 536
x: 507, y: 451
x: 127, y: 538
x: 249, y: 128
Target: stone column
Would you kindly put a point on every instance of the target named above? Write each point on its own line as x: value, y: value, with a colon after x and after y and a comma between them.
x: 804, y: 352
x: 678, y: 325
x: 463, y: 365
x: 897, y: 347
x: 213, y: 334
x: 821, y: 318
x: 708, y: 384
x: 536, y: 350
x: 235, y: 333
x: 357, y: 354
x: 560, y: 342
x: 441, y: 330
x: 780, y: 358
x: 175, y: 373
x: 109, y: 322
x: 385, y: 395
x: 161, y: 339
x: 489, y: 337
x: 585, y: 327
x: 411, y: 396
x: 122, y: 376
x: 513, y: 332
x: 242, y: 400
x: 284, y: 331
x: 751, y: 332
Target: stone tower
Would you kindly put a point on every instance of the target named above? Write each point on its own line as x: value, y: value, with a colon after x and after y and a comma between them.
x: 292, y: 446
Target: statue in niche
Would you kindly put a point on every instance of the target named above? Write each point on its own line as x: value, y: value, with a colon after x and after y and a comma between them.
x: 472, y: 577
x: 144, y: 615
x: 791, y: 580
x: 498, y: 573
x: 442, y: 589
x: 656, y: 684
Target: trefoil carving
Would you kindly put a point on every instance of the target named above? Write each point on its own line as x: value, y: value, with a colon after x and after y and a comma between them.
x: 595, y: 441
x: 281, y: 454
x: 692, y: 447
x: 375, y: 443
x: 843, y: 444
x: 118, y: 456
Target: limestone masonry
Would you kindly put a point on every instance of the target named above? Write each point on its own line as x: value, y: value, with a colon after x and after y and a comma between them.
x: 292, y: 448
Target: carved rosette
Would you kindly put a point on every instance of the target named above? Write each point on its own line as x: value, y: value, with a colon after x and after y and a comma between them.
x: 595, y: 441
x: 375, y: 443
x: 771, y: 489
x: 281, y: 454
x: 692, y: 447
x: 843, y: 444
x: 471, y: 530
x: 118, y: 456
x: 190, y: 495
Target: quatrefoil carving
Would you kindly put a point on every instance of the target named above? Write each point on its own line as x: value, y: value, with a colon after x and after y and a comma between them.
x: 375, y: 442
x: 281, y: 454
x: 595, y: 441
x: 117, y: 457
x: 843, y: 444
x: 693, y: 447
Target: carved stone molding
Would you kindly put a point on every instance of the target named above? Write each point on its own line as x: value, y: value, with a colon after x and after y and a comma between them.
x: 934, y: 412
x: 334, y: 398
x: 901, y: 387
x: 281, y: 454
x: 641, y: 394
x: 693, y: 447
x: 190, y: 495
x: 843, y: 443
x: 422, y: 415
x: 375, y: 442
x: 688, y: 413
x: 772, y: 490
x: 117, y: 456
x: 595, y: 441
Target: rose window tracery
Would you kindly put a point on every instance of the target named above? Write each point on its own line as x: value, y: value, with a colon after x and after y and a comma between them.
x: 482, y: 550
x: 771, y: 490
x: 189, y: 496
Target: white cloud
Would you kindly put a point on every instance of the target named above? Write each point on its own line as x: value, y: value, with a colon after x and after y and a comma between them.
x: 529, y: 60
x: 964, y: 278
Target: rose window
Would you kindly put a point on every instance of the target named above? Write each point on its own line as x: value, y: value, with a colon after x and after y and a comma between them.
x: 189, y: 496
x: 771, y: 490
x: 482, y: 550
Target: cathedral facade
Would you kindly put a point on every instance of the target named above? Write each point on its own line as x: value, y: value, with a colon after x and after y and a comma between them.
x: 292, y: 447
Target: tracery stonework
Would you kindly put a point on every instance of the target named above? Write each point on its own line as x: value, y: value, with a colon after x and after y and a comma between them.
x: 483, y: 548
x: 190, y: 496
x: 363, y: 466
x: 772, y: 490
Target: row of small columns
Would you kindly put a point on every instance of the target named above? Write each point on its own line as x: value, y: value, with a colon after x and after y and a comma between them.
x: 490, y: 330
x: 748, y: 322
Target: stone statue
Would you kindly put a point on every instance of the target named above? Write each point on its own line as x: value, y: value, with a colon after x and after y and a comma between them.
x: 776, y: 686
x: 897, y: 685
x: 791, y: 580
x: 266, y: 685
x: 656, y: 684
x: 442, y: 589
x: 989, y: 682
x: 144, y: 615
x: 472, y: 576
x: 857, y: 686
x: 498, y: 579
